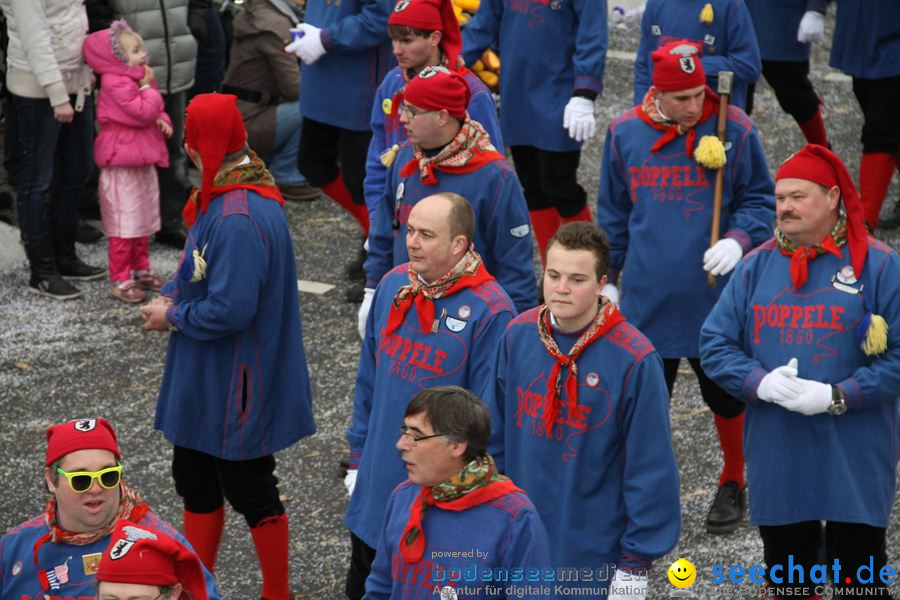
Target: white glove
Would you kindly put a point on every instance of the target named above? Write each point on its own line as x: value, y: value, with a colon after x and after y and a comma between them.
x: 781, y: 384
x: 364, y: 309
x: 612, y: 292
x: 812, y: 27
x: 308, y: 48
x: 578, y: 118
x: 626, y: 586
x: 722, y: 257
x: 350, y: 481
x: 815, y: 398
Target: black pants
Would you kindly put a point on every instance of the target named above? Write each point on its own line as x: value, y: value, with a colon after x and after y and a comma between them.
x: 173, y: 180
x: 205, y: 481
x: 852, y: 544
x: 361, y: 558
x: 792, y: 87
x: 718, y: 400
x: 881, y: 119
x: 326, y: 150
x: 549, y: 179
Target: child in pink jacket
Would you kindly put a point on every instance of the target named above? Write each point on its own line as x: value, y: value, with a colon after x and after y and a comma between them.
x: 131, y: 143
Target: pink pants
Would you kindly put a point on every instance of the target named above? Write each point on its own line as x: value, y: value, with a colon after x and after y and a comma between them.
x: 127, y: 255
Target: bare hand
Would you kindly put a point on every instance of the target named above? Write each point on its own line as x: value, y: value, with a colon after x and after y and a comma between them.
x: 154, y: 315
x: 149, y: 76
x: 165, y: 128
x: 162, y: 300
x: 64, y: 113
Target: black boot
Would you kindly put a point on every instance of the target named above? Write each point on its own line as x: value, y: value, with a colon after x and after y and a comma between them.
x: 67, y: 262
x: 727, y: 511
x: 354, y: 268
x: 892, y: 219
x: 45, y: 281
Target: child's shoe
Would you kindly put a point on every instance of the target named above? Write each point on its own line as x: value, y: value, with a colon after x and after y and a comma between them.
x: 149, y: 280
x: 127, y: 291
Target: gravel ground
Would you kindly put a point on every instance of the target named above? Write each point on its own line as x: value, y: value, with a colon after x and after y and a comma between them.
x: 91, y: 357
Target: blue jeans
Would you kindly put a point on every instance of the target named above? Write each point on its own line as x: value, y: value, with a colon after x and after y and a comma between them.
x: 51, y: 152
x: 282, y: 159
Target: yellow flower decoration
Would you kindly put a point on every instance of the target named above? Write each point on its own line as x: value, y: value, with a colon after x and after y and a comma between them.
x: 707, y: 15
x: 710, y: 152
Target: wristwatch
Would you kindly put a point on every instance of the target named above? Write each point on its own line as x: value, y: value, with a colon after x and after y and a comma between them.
x: 838, y: 405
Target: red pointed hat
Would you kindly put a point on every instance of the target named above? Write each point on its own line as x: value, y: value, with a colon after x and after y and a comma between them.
x: 140, y: 555
x: 431, y: 15
x: 80, y: 434
x: 213, y: 127
x: 437, y: 88
x: 820, y: 165
x: 677, y: 66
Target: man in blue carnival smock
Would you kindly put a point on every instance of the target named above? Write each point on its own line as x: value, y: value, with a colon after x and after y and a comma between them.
x: 456, y: 514
x: 807, y: 334
x: 435, y: 320
x: 55, y: 555
x: 553, y: 53
x: 236, y: 386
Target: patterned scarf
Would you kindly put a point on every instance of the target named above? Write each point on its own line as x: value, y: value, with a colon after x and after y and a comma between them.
x: 469, y: 272
x: 250, y: 176
x: 649, y: 113
x: 470, y: 150
x: 131, y: 507
x: 476, y: 483
x: 608, y: 316
x: 801, y: 255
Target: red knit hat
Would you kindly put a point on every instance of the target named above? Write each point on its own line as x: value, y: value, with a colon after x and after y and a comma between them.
x: 80, y: 434
x: 431, y: 15
x: 436, y: 88
x: 677, y: 66
x: 820, y: 165
x: 143, y: 556
x: 213, y: 127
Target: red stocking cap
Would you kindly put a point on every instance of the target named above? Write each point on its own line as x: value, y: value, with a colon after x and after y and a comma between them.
x: 820, y: 165
x: 213, y: 127
x: 436, y: 88
x: 80, y: 434
x: 431, y: 15
x: 143, y: 556
x: 677, y: 66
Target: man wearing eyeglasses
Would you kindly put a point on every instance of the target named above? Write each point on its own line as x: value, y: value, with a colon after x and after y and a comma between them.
x: 55, y: 555
x: 456, y: 514
x: 435, y: 321
x: 449, y: 152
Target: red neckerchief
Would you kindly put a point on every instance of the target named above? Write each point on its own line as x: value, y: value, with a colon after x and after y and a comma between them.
x: 468, y: 273
x: 468, y: 151
x: 650, y: 115
x: 476, y: 483
x: 251, y: 176
x: 608, y: 316
x: 801, y: 256
x: 131, y: 507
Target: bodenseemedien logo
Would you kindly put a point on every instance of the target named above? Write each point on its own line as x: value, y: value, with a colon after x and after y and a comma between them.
x: 682, y: 575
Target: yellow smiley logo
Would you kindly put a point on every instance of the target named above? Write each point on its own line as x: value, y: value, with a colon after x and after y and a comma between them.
x: 682, y: 573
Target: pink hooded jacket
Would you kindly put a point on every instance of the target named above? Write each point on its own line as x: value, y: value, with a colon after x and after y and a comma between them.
x: 129, y: 136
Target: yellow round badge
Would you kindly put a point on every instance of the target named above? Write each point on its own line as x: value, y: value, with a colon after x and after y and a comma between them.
x: 386, y: 106
x: 682, y: 573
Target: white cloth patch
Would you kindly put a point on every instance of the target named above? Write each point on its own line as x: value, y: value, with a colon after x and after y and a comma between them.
x: 520, y: 231
x: 456, y: 325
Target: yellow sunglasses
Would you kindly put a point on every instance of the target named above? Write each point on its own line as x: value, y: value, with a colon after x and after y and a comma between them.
x: 82, y: 481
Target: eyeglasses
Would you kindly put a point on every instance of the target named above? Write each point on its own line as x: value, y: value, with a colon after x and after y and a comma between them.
x: 404, y: 431
x: 82, y: 481
x: 408, y: 112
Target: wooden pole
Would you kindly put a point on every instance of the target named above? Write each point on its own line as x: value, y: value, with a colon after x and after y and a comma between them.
x: 724, y: 90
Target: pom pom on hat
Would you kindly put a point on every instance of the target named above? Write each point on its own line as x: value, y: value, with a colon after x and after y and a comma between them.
x: 431, y: 15
x: 80, y: 434
x: 710, y: 152
x: 142, y: 556
x: 707, y: 15
x: 436, y: 88
x: 677, y: 66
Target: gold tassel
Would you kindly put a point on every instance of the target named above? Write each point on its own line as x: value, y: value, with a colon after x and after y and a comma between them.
x: 875, y: 341
x: 710, y: 152
x: 387, y: 157
x: 199, y: 265
x: 707, y: 15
